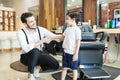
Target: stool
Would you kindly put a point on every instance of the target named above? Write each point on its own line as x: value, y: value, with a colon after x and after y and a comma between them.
x: 18, y: 66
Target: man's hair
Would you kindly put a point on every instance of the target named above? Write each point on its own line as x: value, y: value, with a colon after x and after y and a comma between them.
x: 25, y: 15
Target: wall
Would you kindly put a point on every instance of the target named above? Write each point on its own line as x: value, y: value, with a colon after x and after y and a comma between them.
x: 89, y: 11
x: 51, y: 13
x: 20, y: 7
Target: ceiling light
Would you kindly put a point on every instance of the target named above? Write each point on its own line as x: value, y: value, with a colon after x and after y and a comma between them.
x: 68, y: 5
x: 73, y: 0
x: 77, y: 6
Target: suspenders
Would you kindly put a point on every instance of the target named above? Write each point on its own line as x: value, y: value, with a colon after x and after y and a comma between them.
x: 27, y: 37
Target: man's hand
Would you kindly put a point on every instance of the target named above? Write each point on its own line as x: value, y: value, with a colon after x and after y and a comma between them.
x: 47, y: 40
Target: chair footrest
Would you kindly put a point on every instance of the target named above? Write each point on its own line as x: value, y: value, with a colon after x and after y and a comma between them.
x: 94, y: 73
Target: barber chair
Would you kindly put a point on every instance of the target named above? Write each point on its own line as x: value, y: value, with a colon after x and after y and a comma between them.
x: 91, y: 56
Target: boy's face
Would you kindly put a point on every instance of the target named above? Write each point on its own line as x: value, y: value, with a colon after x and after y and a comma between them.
x: 31, y: 22
x: 69, y: 21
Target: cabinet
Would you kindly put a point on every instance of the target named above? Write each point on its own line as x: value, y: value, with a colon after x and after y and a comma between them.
x: 7, y: 20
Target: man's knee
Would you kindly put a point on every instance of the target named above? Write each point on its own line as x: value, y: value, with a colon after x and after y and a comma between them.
x: 35, y: 52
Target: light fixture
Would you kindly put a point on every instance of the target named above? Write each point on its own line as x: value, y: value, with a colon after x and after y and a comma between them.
x: 73, y: 0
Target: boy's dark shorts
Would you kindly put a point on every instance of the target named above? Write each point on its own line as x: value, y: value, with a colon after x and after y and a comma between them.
x: 67, y: 61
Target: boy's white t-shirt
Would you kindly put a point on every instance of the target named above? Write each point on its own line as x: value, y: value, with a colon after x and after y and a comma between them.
x: 71, y: 35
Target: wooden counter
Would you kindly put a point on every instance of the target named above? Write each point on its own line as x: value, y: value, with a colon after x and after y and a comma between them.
x: 57, y: 31
x: 110, y: 31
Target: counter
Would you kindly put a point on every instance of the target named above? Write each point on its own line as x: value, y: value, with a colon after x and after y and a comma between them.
x: 8, y: 40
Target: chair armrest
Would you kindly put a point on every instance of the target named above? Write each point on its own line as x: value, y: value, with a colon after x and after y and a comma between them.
x: 102, y: 35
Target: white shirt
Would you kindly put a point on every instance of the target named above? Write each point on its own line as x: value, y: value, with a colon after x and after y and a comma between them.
x: 71, y: 35
x: 32, y: 38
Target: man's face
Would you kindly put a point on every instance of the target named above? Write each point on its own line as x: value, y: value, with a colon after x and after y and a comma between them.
x: 31, y: 22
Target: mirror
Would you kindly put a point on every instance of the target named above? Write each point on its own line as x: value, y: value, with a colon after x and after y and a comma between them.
x: 75, y: 6
x: 108, y: 9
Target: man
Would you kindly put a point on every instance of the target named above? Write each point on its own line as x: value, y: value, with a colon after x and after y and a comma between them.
x: 32, y: 39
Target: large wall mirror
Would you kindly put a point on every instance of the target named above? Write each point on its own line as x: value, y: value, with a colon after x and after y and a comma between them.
x: 75, y: 6
x: 108, y: 10
x: 104, y: 10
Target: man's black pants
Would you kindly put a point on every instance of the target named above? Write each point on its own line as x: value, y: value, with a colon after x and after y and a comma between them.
x: 36, y: 57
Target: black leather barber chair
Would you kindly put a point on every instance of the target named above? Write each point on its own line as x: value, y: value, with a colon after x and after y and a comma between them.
x: 88, y: 35
x: 91, y: 56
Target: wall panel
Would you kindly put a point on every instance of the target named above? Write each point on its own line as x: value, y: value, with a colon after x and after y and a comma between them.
x: 89, y: 10
x: 51, y: 13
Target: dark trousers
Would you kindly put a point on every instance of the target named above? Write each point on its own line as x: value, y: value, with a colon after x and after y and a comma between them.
x: 36, y: 57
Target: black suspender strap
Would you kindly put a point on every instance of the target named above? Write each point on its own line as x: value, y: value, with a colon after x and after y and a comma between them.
x: 27, y: 37
x: 39, y: 33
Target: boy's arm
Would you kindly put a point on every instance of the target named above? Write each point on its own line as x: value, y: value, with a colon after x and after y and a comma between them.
x: 77, y: 46
x: 75, y: 57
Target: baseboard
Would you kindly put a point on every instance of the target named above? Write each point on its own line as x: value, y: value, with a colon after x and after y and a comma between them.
x: 8, y: 50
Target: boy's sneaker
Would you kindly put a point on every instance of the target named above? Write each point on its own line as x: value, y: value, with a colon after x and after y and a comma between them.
x: 31, y: 78
x: 36, y: 73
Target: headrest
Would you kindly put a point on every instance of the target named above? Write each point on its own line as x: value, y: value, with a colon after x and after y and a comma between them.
x: 92, y: 45
x: 88, y: 36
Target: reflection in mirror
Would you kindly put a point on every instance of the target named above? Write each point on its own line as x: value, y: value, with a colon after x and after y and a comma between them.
x: 75, y: 6
x: 108, y: 13
x: 116, y: 13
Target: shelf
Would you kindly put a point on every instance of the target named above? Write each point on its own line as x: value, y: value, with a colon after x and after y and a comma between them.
x: 8, y: 19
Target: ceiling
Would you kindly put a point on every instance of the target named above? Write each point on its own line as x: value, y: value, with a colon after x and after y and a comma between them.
x: 70, y: 3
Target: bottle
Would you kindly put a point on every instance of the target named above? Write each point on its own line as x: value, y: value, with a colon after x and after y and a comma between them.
x: 108, y: 24
x: 116, y: 21
x: 113, y: 23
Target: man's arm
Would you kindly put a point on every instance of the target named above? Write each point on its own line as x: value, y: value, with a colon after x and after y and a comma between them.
x: 44, y: 40
x: 60, y: 37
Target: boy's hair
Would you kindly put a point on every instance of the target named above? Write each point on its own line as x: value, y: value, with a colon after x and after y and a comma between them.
x: 74, y: 15
x: 25, y: 15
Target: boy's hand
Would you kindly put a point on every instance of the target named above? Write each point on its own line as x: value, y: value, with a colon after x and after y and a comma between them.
x: 75, y: 57
x: 47, y: 40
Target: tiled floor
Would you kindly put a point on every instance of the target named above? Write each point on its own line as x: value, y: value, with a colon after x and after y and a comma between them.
x: 6, y: 73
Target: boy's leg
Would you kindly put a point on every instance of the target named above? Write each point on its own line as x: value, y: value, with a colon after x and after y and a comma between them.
x: 75, y: 74
x: 64, y: 72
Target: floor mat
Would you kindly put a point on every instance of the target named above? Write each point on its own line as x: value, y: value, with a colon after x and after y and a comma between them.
x: 114, y: 72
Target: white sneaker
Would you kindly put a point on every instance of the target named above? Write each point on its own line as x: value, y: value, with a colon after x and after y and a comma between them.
x: 36, y: 73
x: 31, y: 78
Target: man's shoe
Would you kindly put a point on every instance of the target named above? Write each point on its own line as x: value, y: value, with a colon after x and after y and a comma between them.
x: 31, y: 78
x: 36, y: 73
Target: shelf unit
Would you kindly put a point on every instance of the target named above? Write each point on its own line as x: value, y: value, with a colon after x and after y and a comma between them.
x: 7, y: 19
